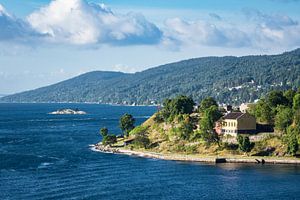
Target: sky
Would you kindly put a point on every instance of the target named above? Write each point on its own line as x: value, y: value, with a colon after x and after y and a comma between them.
x: 43, y: 42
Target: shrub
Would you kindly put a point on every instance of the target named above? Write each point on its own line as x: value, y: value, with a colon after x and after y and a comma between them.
x: 103, y: 132
x: 244, y: 143
x: 109, y: 140
x: 230, y: 146
x: 141, y: 140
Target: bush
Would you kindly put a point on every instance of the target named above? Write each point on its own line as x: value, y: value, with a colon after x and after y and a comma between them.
x: 141, y: 140
x: 244, y: 143
x: 103, y: 132
x: 230, y: 146
x: 158, y: 118
x: 109, y: 140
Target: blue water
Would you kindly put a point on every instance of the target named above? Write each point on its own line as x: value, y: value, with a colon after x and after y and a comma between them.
x: 46, y: 156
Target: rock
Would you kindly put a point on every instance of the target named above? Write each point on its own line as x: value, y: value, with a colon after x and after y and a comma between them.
x: 68, y: 112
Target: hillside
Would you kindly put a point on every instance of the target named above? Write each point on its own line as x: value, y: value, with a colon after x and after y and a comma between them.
x: 178, y: 128
x: 228, y: 79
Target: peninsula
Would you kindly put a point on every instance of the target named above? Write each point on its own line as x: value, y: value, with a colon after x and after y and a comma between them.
x: 263, y: 132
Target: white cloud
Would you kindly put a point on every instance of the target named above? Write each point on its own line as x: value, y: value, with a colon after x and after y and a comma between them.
x: 273, y: 30
x: 79, y: 22
x: 204, y: 33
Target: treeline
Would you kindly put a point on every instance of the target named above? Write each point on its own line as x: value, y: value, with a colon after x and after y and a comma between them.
x: 231, y: 80
x: 281, y: 109
x: 189, y: 124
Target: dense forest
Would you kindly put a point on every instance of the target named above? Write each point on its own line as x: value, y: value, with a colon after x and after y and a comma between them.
x: 228, y: 79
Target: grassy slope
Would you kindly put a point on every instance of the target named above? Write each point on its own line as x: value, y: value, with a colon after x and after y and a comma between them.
x: 163, y: 141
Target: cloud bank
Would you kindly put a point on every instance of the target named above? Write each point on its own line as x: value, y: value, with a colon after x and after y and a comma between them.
x: 204, y: 33
x: 77, y: 22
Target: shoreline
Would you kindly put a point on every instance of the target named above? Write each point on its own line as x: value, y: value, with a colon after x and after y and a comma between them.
x: 92, y: 103
x: 196, y: 157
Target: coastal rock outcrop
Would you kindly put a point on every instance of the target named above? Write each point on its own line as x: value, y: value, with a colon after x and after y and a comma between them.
x: 68, y: 112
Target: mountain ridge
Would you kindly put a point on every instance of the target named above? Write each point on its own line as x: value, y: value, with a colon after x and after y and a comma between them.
x: 229, y: 79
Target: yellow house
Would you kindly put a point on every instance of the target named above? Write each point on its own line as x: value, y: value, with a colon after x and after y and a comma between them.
x: 237, y: 122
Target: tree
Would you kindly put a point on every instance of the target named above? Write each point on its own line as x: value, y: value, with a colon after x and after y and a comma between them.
x: 283, y: 118
x: 275, y: 98
x: 103, y: 132
x: 244, y: 143
x: 127, y: 123
x: 296, y: 102
x: 109, y: 140
x: 183, y: 105
x: 289, y: 95
x: 292, y: 141
x: 206, y: 127
x: 207, y: 103
x: 263, y: 112
x: 214, y: 114
x: 179, y: 105
x: 186, y: 128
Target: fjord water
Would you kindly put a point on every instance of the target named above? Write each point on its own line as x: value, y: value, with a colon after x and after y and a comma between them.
x: 46, y: 156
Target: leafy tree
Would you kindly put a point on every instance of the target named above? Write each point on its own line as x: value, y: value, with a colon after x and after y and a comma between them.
x: 296, y: 102
x: 207, y: 125
x: 292, y: 141
x: 109, y: 140
x: 263, y: 112
x: 127, y: 123
x: 182, y: 105
x: 244, y: 143
x: 207, y: 103
x: 103, y: 132
x: 283, y: 118
x: 289, y: 95
x: 186, y: 129
x: 214, y: 114
x: 179, y: 105
x: 275, y: 98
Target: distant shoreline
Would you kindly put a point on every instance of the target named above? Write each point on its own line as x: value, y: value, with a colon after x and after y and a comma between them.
x: 197, y: 158
x: 85, y: 103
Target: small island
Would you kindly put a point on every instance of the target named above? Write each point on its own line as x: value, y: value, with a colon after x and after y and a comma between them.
x: 68, y: 112
x: 267, y: 131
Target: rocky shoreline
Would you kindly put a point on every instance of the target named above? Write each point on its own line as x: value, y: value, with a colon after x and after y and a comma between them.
x: 195, y: 158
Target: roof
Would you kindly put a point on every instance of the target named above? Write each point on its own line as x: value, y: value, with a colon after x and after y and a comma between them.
x: 233, y: 115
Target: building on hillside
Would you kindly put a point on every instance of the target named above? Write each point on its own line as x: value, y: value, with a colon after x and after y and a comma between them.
x: 244, y: 107
x: 238, y: 123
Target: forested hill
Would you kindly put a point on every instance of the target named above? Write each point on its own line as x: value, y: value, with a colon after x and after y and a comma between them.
x: 227, y: 79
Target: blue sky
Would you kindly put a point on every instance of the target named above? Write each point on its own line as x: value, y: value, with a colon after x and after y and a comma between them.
x: 43, y: 41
